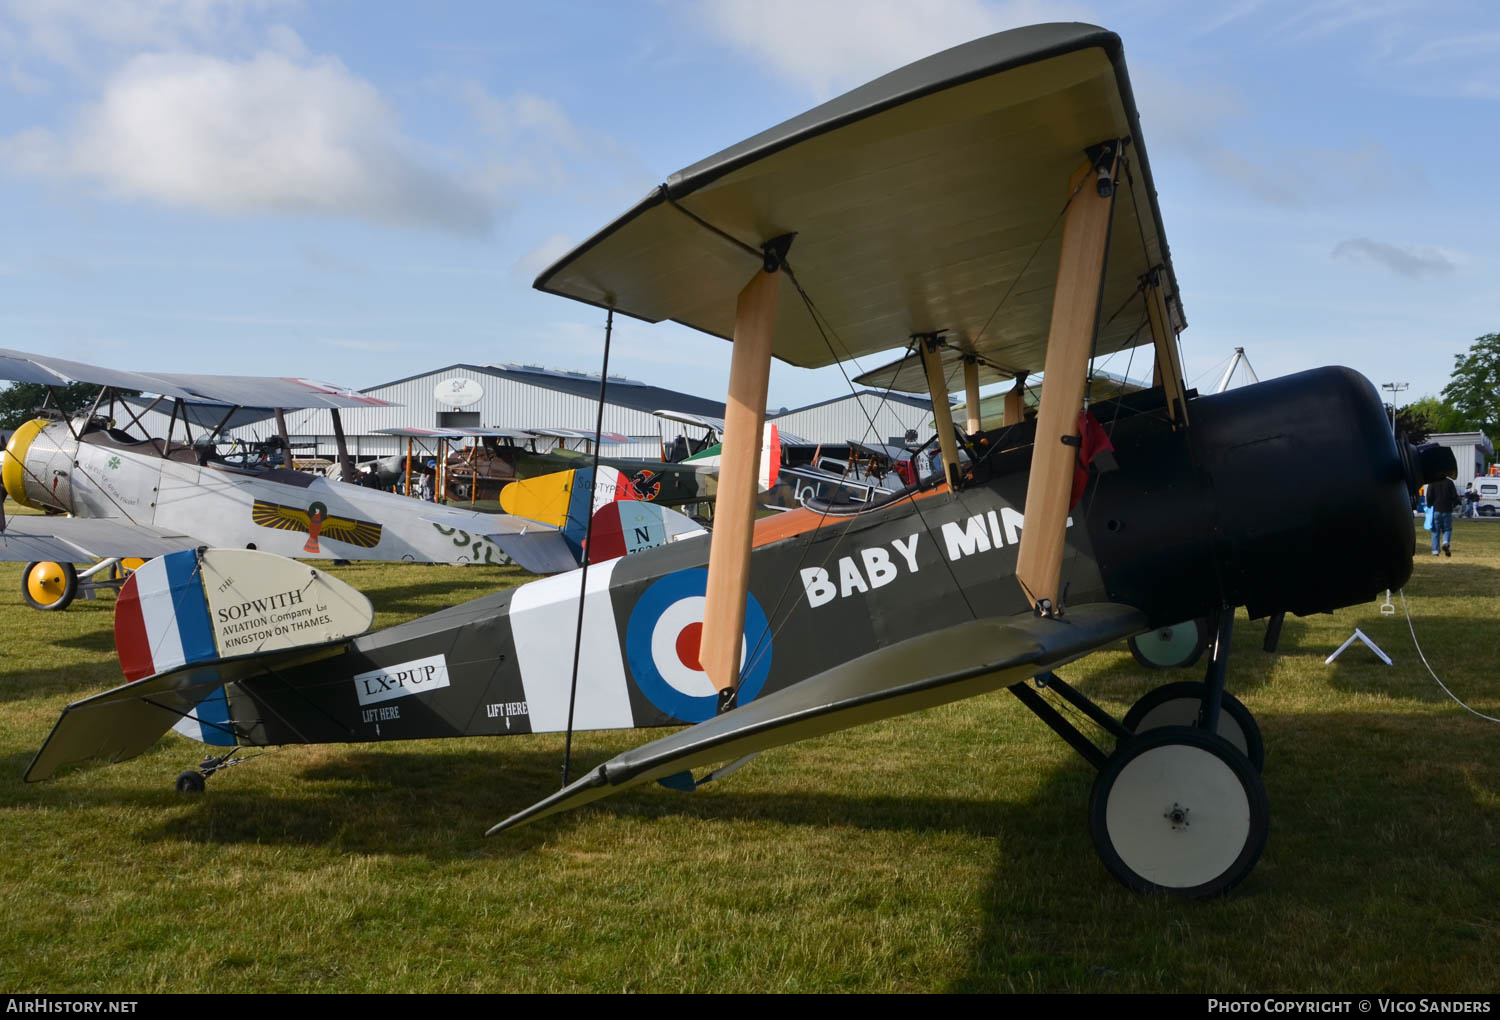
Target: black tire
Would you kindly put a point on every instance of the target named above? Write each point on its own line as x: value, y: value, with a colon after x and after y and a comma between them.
x: 57, y: 580
x: 1180, y: 812
x: 1175, y: 647
x: 1177, y: 704
x: 191, y: 781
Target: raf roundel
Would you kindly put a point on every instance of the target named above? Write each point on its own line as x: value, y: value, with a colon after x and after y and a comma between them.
x: 661, y: 644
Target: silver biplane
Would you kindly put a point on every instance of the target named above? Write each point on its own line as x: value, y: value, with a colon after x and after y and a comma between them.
x: 132, y: 497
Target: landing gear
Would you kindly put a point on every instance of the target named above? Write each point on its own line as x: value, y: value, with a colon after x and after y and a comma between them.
x: 1179, y: 704
x: 48, y: 586
x: 1178, y: 810
x: 1175, y: 647
x: 196, y: 780
x: 1178, y: 807
x: 191, y: 782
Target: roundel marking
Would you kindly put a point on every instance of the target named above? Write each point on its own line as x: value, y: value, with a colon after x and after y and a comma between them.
x: 661, y: 645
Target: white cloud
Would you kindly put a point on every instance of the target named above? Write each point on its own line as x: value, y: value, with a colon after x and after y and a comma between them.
x: 543, y: 255
x: 65, y: 32
x: 827, y: 46
x: 1411, y: 261
x: 266, y: 135
x: 539, y: 146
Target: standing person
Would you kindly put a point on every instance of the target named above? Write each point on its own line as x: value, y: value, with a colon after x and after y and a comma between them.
x: 1470, y: 498
x: 1442, y: 496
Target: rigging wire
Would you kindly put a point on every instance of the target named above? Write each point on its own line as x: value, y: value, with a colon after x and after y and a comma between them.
x: 1423, y: 656
x: 1027, y: 265
x: 588, y: 533
x: 872, y: 429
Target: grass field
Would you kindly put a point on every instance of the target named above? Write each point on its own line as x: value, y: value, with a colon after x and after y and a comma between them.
x: 942, y: 851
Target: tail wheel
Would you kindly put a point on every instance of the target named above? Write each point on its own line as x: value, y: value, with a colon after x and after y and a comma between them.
x: 1179, y: 811
x: 49, y: 586
x: 1178, y: 704
x: 1174, y: 647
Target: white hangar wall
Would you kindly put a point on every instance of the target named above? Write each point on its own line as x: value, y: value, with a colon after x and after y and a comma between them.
x: 849, y: 417
x: 513, y: 396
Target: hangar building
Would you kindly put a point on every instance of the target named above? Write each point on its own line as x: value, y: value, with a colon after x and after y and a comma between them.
x: 503, y: 395
x: 849, y: 417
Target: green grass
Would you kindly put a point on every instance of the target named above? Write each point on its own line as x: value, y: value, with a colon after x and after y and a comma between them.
x: 942, y: 851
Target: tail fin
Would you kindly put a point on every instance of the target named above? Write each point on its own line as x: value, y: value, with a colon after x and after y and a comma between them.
x: 623, y: 528
x: 182, y: 623
x: 566, y: 499
x: 770, y: 457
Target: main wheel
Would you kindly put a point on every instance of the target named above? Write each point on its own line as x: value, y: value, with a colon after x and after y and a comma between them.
x: 49, y: 586
x: 191, y: 782
x: 1174, y: 647
x: 1179, y: 811
x: 1177, y: 705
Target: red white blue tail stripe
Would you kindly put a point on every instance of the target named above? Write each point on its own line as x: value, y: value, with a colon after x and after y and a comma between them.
x: 161, y: 620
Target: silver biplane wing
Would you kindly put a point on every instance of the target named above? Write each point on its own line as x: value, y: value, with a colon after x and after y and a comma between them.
x: 288, y: 394
x: 28, y: 538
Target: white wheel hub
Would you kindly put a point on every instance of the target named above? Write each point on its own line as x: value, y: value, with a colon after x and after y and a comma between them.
x: 1178, y: 816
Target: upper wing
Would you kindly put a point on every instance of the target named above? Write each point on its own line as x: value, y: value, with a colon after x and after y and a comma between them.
x: 956, y: 662
x: 949, y: 172
x: 72, y: 539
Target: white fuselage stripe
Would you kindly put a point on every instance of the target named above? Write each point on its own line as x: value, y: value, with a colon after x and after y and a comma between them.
x: 543, y: 620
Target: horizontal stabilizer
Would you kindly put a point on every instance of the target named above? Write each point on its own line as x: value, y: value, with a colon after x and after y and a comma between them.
x: 76, y: 539
x: 957, y: 662
x: 540, y: 551
x: 185, y: 625
x: 121, y: 723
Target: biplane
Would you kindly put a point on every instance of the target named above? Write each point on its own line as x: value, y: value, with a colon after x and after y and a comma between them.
x: 990, y: 205
x: 134, y: 497
x: 793, y: 470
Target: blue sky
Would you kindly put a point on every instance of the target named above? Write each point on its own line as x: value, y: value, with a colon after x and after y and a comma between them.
x: 360, y: 191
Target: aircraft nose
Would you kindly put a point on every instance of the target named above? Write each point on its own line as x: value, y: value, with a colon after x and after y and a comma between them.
x: 13, y: 463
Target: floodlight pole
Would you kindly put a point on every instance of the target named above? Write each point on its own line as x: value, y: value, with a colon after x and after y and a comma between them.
x: 1394, y: 388
x: 1070, y: 338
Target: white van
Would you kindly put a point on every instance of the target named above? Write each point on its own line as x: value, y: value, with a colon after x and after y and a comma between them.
x: 1487, y: 487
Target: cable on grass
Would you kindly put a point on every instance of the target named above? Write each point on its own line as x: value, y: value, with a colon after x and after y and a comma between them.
x: 1455, y: 697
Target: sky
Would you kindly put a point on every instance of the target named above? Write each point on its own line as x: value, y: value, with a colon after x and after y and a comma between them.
x: 361, y: 191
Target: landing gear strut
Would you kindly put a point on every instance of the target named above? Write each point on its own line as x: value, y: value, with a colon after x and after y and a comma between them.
x: 196, y: 780
x: 1179, y: 806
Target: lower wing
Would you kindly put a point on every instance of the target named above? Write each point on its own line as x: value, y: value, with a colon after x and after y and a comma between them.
x: 74, y: 539
x: 956, y: 662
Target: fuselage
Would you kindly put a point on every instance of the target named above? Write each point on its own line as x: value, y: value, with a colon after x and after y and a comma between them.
x: 104, y: 473
x: 1286, y: 496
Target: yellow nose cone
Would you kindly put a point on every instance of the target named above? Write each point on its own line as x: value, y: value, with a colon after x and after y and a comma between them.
x: 46, y: 583
x: 13, y: 465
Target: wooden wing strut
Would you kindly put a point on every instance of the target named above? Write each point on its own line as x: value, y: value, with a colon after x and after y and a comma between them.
x: 739, y: 468
x: 1075, y: 317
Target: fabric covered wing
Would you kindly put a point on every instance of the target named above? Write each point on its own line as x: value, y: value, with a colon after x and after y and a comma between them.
x: 918, y: 202
x: 74, y: 539
x: 956, y: 662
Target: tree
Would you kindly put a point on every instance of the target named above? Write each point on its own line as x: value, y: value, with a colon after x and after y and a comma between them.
x: 1434, y: 414
x: 1413, y: 423
x: 19, y: 402
x: 1474, y: 388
